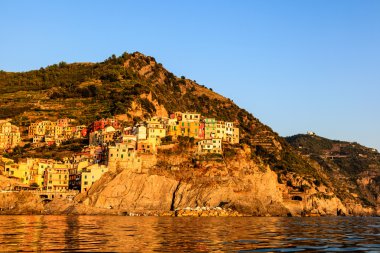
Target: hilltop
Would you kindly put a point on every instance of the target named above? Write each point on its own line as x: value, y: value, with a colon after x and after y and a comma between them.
x: 261, y: 175
x: 349, y: 164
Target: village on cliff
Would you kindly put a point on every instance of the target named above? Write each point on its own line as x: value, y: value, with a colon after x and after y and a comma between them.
x: 113, y: 146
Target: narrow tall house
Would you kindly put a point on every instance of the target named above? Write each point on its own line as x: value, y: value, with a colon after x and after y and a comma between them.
x: 9, y: 135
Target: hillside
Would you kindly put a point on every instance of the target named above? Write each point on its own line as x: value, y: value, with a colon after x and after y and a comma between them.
x: 350, y: 165
x: 255, y: 175
x: 134, y: 87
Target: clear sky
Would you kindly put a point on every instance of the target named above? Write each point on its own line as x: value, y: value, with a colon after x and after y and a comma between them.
x: 297, y: 65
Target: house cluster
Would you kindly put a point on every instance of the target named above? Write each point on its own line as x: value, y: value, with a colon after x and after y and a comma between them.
x: 78, y: 172
x: 209, y: 132
x: 9, y: 135
x: 129, y: 147
x: 55, y: 132
x: 113, y: 147
x: 147, y: 136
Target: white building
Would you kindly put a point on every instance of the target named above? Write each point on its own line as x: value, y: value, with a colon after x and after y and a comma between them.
x: 210, y: 146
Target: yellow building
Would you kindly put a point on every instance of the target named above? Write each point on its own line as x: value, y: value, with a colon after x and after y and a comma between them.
x: 90, y: 175
x: 29, y: 170
x: 210, y: 146
x: 57, y: 178
x: 38, y: 172
x: 235, y: 137
x: 22, y: 171
x: 52, y: 132
x: 144, y: 146
x: 220, y: 129
x: 155, y: 128
x: 173, y: 130
x: 130, y: 140
x: 185, y: 128
x: 9, y: 135
x: 68, y: 131
x: 188, y: 116
x: 122, y: 157
x: 231, y: 133
x: 155, y: 131
x: 108, y: 135
x: 155, y: 135
x: 103, y: 136
x: 42, y: 128
x: 58, y: 130
x: 5, y: 164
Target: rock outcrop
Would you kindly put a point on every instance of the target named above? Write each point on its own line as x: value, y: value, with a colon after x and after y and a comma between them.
x: 237, y: 184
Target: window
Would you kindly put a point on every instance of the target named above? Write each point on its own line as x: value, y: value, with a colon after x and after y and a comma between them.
x: 85, y: 182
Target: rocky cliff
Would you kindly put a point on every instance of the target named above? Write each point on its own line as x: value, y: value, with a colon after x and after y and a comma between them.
x: 235, y: 183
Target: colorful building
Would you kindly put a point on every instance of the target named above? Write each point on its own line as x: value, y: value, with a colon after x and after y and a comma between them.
x: 57, y: 178
x: 90, y: 175
x: 9, y: 135
x: 102, y: 123
x: 122, y: 157
x: 188, y: 116
x: 210, y: 146
x: 220, y: 129
x: 104, y: 136
x: 144, y: 146
x: 21, y: 170
x: 140, y: 131
x: 210, y: 128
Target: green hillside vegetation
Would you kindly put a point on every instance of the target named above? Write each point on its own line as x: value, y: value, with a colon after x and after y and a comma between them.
x: 105, y: 89
x: 346, y: 162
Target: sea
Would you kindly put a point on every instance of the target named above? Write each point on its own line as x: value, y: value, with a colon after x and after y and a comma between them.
x: 34, y: 233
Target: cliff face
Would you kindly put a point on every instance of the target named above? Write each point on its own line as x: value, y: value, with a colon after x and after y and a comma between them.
x: 236, y: 183
x: 352, y: 169
x: 131, y: 192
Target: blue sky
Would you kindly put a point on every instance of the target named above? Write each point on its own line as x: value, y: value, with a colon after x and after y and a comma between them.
x: 296, y: 65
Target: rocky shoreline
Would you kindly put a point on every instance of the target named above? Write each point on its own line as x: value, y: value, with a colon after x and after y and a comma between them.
x: 203, y: 212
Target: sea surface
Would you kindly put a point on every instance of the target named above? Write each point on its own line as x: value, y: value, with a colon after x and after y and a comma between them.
x: 31, y: 233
